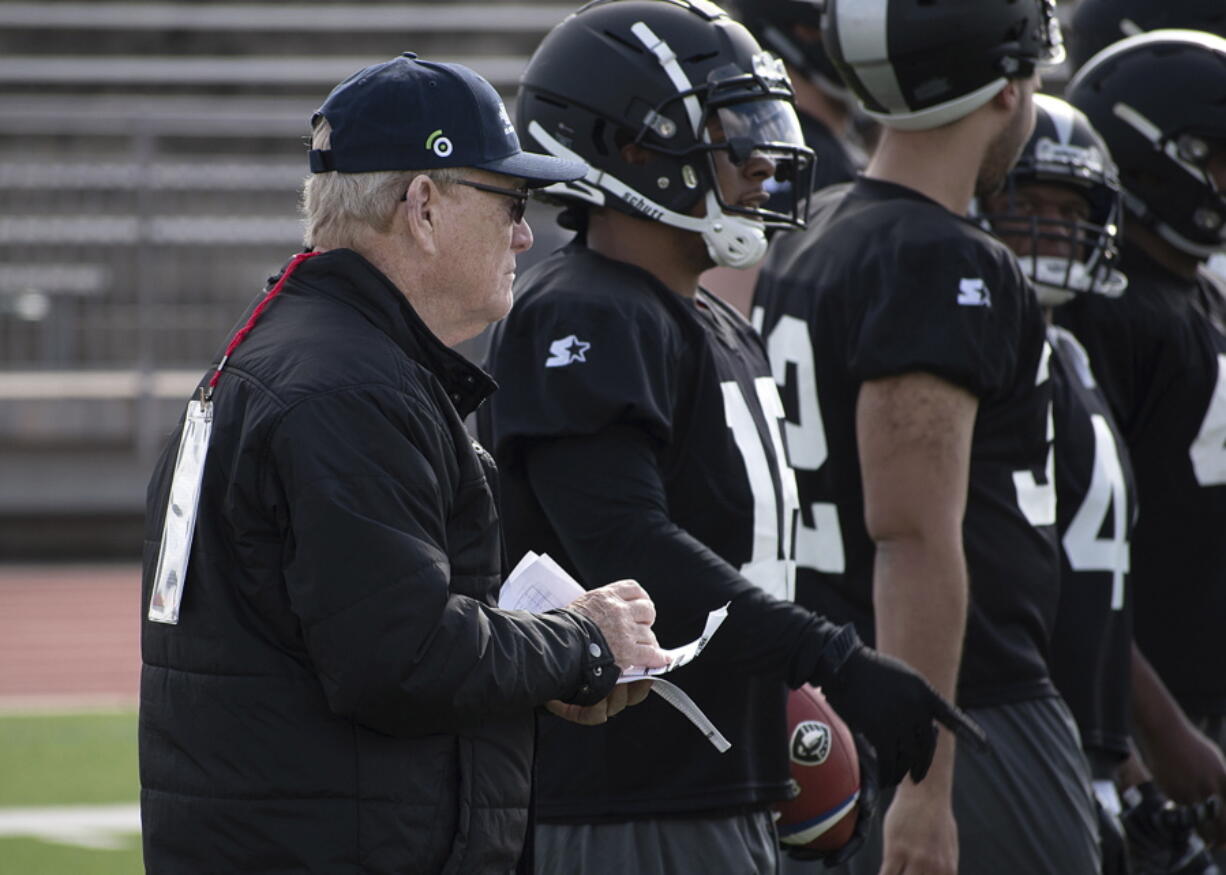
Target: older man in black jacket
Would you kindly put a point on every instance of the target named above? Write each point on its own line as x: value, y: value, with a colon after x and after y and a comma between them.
x: 327, y: 684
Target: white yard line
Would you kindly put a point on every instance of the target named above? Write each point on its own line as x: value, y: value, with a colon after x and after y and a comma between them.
x: 106, y: 827
x: 66, y: 704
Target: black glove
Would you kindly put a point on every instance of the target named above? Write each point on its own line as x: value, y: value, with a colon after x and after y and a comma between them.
x: 865, y: 817
x: 892, y: 705
x: 1161, y: 835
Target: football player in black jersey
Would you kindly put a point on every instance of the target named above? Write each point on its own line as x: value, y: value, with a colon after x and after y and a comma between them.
x: 1159, y: 101
x: 1060, y: 211
x: 639, y: 436
x: 914, y: 366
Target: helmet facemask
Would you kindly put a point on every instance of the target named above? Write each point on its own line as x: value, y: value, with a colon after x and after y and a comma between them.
x: 1062, y: 257
x: 743, y: 126
x: 1071, y: 254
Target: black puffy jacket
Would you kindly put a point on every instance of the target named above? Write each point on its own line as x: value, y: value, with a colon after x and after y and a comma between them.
x: 339, y: 694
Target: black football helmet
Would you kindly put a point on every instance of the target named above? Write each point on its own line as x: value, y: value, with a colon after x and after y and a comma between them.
x: 1159, y: 100
x: 1097, y: 24
x: 1065, y: 150
x: 661, y: 74
x: 773, y: 24
x: 920, y: 64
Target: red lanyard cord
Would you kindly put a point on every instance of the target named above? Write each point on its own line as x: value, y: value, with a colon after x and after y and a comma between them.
x: 241, y: 334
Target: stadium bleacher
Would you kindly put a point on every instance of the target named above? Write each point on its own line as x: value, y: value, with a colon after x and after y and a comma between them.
x: 149, y: 166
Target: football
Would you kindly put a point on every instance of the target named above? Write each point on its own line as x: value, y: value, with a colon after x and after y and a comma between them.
x: 825, y: 772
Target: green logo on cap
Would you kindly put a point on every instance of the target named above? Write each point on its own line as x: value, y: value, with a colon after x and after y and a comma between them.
x: 438, y: 144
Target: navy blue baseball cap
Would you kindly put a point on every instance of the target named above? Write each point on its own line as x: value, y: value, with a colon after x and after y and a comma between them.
x: 409, y: 114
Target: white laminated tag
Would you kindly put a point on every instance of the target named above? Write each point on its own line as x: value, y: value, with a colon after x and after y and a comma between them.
x: 676, y: 697
x: 180, y: 525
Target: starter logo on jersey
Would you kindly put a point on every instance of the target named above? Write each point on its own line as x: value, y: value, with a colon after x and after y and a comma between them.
x: 567, y: 350
x: 973, y: 293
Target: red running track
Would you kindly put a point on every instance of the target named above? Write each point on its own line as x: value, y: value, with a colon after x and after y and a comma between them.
x: 69, y: 635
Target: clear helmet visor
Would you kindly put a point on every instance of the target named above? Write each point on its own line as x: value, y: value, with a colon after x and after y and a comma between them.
x: 762, y: 137
x: 760, y: 123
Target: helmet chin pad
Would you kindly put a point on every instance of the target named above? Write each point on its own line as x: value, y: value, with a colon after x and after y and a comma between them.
x: 1057, y: 280
x: 733, y: 241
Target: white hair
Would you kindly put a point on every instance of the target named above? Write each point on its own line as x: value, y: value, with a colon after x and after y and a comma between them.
x: 339, y: 209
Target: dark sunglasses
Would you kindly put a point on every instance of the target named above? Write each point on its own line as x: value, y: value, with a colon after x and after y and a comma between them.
x: 518, y: 196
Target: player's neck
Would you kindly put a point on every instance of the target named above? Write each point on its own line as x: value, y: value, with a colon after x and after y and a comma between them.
x: 1178, y: 262
x: 935, y: 164
x: 675, y: 257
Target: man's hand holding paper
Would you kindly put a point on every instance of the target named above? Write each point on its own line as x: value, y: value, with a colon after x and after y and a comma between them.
x: 624, y: 612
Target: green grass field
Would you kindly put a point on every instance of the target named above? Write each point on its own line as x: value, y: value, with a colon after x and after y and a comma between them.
x: 78, y: 759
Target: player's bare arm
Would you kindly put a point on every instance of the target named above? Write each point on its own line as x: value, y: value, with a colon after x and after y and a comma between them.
x: 914, y: 438
x: 1187, y: 765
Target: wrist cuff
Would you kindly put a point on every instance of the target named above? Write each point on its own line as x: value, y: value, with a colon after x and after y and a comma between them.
x: 598, y: 675
x: 837, y: 651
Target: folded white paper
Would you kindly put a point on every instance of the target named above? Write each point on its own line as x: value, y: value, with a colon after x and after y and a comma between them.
x: 539, y: 584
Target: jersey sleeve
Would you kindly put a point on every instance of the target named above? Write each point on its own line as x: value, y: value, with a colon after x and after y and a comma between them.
x: 946, y: 306
x: 571, y: 364
x: 592, y: 486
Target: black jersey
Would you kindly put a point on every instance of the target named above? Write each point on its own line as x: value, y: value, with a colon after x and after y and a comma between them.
x: 883, y: 282
x: 1159, y: 352
x: 1091, y: 647
x: 595, y: 347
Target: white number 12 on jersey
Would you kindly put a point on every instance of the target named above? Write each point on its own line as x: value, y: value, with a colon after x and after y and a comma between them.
x: 819, y: 546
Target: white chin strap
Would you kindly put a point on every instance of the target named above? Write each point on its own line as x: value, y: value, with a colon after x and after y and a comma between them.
x: 1057, y: 282
x: 732, y: 240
